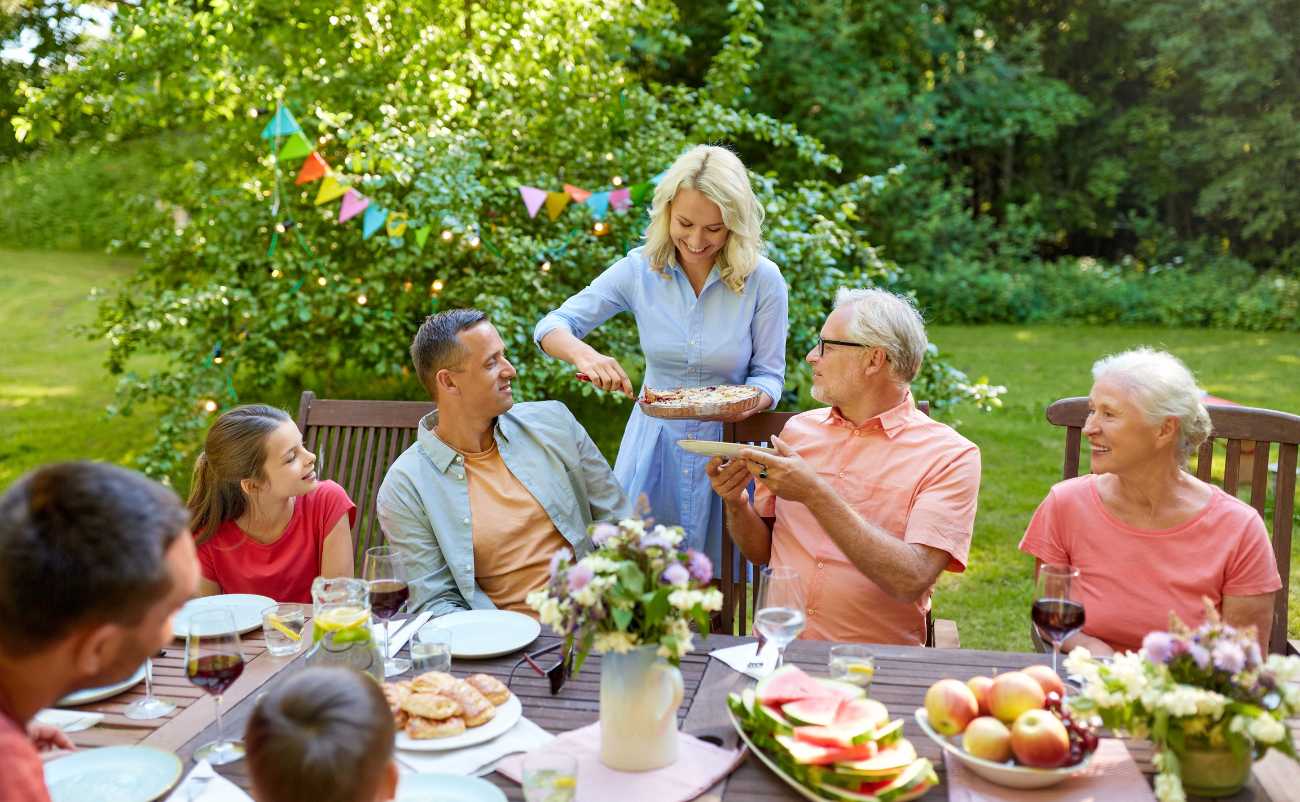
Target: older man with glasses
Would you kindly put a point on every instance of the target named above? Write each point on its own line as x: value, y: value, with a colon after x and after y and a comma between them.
x: 869, y: 500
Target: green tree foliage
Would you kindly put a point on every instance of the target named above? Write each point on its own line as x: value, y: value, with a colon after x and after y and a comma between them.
x: 443, y: 116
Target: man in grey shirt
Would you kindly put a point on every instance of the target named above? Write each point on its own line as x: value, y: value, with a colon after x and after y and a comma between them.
x: 491, y: 489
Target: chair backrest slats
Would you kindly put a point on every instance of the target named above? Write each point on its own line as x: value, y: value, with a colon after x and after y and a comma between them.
x: 1250, y: 434
x: 356, y: 442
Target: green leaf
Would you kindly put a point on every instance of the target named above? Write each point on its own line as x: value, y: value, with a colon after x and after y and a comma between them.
x: 622, y: 617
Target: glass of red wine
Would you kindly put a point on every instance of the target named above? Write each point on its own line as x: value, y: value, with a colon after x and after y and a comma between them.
x: 386, y: 573
x: 1057, y: 612
x: 213, y: 661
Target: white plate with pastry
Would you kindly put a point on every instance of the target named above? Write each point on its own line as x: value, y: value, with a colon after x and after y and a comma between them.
x: 507, y: 715
x: 437, y: 711
x: 712, y: 448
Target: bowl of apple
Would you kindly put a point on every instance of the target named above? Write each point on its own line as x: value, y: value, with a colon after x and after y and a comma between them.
x: 1012, y: 730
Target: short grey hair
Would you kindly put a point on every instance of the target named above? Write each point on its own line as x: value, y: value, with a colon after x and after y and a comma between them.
x: 436, y: 345
x: 883, y: 319
x: 1162, y: 387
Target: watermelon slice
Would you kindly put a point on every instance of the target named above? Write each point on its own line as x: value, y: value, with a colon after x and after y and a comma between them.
x: 789, y: 684
x: 845, y: 690
x: 915, y: 779
x: 812, y: 755
x: 819, y: 710
x: 861, y: 713
x: 887, y: 762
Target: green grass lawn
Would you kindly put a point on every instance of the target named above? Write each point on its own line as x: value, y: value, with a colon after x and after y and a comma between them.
x: 53, y: 390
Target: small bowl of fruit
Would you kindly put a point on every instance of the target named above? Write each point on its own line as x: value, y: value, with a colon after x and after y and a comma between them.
x: 1012, y: 730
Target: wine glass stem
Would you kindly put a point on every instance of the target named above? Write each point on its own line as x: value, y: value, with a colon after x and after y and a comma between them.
x: 780, y: 656
x: 1056, y: 650
x: 148, y: 679
x: 221, y: 727
x: 383, y: 642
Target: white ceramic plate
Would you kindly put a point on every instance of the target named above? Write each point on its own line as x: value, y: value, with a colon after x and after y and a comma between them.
x: 772, y: 764
x: 88, y: 695
x: 712, y: 448
x: 507, y: 716
x: 447, y: 788
x: 112, y: 774
x: 488, y: 633
x: 1004, y: 774
x: 245, y: 607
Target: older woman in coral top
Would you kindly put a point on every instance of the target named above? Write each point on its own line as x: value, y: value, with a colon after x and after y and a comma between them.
x: 1147, y: 536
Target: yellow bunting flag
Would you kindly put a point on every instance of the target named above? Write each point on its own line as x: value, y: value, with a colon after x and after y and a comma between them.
x: 330, y: 189
x: 396, y: 224
x: 555, y: 203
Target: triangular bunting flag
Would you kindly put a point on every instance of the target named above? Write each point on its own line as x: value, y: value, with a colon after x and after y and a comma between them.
x: 620, y: 199
x: 315, y: 167
x: 421, y: 235
x: 396, y: 224
x: 330, y: 189
x: 577, y: 193
x: 640, y: 192
x: 374, y: 218
x: 296, y: 148
x: 354, y: 203
x: 533, y: 199
x: 282, y: 124
x: 599, y: 205
x: 658, y: 178
x: 555, y: 203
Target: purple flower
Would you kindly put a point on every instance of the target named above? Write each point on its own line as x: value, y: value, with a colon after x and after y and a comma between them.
x: 603, y: 532
x: 1253, y: 655
x: 656, y: 538
x: 1229, y: 657
x: 559, y: 556
x: 1178, y: 646
x: 579, y: 577
x: 1158, y: 646
x: 700, y: 566
x: 676, y: 574
x: 1200, y: 655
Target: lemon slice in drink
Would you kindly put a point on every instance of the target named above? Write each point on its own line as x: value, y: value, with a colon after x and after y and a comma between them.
x: 565, y: 782
x: 865, y: 670
x: 348, y: 623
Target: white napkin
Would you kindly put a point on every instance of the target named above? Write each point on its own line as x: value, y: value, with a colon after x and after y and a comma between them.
x: 522, y: 737
x: 69, y: 720
x: 740, y: 659
x: 395, y: 644
x: 205, y: 785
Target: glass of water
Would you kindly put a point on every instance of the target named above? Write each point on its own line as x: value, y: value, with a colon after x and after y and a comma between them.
x: 432, y: 649
x: 780, y: 608
x: 282, y: 625
x: 852, y: 664
x: 550, y: 777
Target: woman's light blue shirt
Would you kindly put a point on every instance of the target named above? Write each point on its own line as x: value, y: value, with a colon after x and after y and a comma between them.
x: 721, y: 337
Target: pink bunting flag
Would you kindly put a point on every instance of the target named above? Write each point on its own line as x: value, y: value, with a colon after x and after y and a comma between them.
x: 533, y: 199
x: 620, y: 199
x: 578, y: 194
x: 354, y: 203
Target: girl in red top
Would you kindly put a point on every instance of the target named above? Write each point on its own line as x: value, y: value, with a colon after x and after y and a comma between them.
x: 263, y: 522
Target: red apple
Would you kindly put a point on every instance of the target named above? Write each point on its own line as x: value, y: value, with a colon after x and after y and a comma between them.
x: 988, y: 738
x: 1039, y: 739
x: 950, y: 706
x: 1013, y: 693
x: 1047, y: 678
x: 980, y: 687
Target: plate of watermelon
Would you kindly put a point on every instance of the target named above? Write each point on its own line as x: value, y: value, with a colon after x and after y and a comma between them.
x: 827, y: 740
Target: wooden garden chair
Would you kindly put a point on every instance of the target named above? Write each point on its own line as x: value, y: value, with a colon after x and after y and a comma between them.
x: 355, y: 442
x: 1245, y: 429
x: 737, y: 590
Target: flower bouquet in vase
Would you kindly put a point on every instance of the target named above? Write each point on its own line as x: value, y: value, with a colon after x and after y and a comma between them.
x: 632, y: 599
x: 1206, y: 697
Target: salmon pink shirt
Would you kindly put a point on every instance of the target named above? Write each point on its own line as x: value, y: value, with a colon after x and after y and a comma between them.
x: 285, y: 569
x: 22, y: 773
x: 1130, y: 579
x: 903, y: 472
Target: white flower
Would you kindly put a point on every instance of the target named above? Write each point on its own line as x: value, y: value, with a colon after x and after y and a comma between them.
x: 617, y: 642
x: 588, y: 596
x: 1169, y: 788
x: 1267, y: 730
x: 598, y: 564
x: 634, y: 525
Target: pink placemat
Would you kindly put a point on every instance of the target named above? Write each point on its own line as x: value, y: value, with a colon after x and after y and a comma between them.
x: 1112, y: 775
x: 699, y: 765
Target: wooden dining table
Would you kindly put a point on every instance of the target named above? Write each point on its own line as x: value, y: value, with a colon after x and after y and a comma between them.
x: 903, y: 673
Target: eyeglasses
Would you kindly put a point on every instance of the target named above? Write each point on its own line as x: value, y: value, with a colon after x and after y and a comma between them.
x: 822, y: 342
x: 555, y: 668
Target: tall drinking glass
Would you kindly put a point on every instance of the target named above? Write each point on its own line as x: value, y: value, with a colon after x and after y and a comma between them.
x: 779, y: 615
x: 1057, y: 612
x: 386, y: 574
x: 150, y: 706
x: 213, y: 661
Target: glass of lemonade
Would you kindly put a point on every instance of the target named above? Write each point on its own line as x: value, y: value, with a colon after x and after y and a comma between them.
x: 550, y: 777
x: 852, y: 664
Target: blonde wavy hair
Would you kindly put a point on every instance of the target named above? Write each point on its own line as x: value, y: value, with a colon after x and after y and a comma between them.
x: 721, y: 177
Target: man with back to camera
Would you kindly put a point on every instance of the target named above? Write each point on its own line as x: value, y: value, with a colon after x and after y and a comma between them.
x: 95, y: 560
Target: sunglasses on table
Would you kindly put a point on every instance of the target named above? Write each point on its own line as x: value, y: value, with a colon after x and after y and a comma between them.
x: 551, y: 662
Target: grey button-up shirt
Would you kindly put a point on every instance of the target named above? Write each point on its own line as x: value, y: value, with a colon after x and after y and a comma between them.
x: 423, y: 504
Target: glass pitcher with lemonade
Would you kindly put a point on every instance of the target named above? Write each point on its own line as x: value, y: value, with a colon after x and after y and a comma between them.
x: 341, y: 634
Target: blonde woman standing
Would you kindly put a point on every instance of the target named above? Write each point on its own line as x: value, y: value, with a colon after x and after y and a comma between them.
x: 709, y: 309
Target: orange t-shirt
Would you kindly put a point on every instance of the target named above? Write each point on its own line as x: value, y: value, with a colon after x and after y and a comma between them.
x: 513, y: 536
x: 902, y: 471
x: 1130, y: 579
x: 22, y: 774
